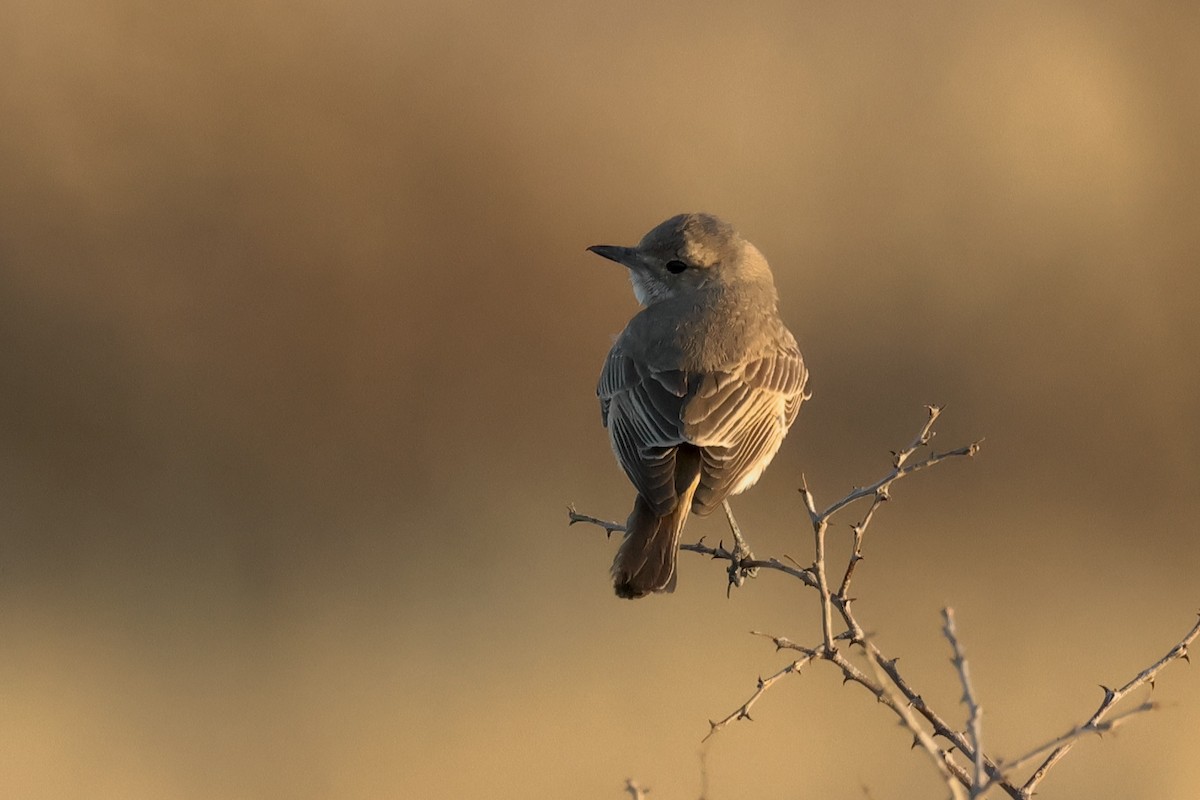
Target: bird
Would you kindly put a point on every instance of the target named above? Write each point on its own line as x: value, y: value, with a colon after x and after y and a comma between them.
x: 699, y: 389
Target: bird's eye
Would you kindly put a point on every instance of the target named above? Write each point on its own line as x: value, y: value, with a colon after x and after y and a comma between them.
x: 675, y: 266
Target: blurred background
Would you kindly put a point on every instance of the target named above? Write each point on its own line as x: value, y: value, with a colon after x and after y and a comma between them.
x: 299, y: 340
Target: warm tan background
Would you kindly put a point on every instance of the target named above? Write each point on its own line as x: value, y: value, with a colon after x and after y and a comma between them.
x: 298, y: 341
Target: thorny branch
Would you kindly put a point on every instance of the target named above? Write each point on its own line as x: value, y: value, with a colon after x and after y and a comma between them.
x: 1096, y: 723
x: 950, y: 771
x: 763, y: 684
x: 609, y: 527
x: 886, y: 683
x: 741, y: 560
x: 974, y: 712
x: 1077, y: 732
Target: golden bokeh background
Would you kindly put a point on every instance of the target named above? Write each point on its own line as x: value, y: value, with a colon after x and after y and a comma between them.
x: 299, y: 344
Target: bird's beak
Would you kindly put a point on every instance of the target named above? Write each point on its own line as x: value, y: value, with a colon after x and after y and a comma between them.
x: 628, y: 256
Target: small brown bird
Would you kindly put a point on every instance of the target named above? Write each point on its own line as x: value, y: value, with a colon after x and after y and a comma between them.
x: 700, y: 388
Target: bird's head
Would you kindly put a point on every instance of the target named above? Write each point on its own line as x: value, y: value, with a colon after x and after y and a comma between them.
x: 688, y: 253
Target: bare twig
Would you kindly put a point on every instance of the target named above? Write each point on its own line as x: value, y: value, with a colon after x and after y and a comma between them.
x: 902, y: 706
x: 784, y: 643
x: 743, y: 712
x: 610, y: 528
x: 746, y: 564
x: 940, y: 727
x: 1078, y: 732
x: 721, y: 552
x: 880, y: 488
x: 900, y: 467
x: 951, y: 772
x: 856, y: 555
x: 1111, y: 698
x: 879, y: 491
x: 704, y: 772
x: 974, y: 726
x: 635, y: 789
x: 820, y: 524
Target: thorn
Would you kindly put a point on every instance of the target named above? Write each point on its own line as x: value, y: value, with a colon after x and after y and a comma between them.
x: 760, y: 682
x: 915, y: 742
x: 846, y: 679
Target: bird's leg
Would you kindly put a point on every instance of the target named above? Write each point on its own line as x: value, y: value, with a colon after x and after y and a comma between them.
x: 741, y: 551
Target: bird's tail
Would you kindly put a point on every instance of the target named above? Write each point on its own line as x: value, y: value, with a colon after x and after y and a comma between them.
x: 645, y: 563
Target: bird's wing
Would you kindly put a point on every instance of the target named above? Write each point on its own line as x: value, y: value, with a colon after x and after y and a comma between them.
x: 738, y: 417
x: 642, y: 410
